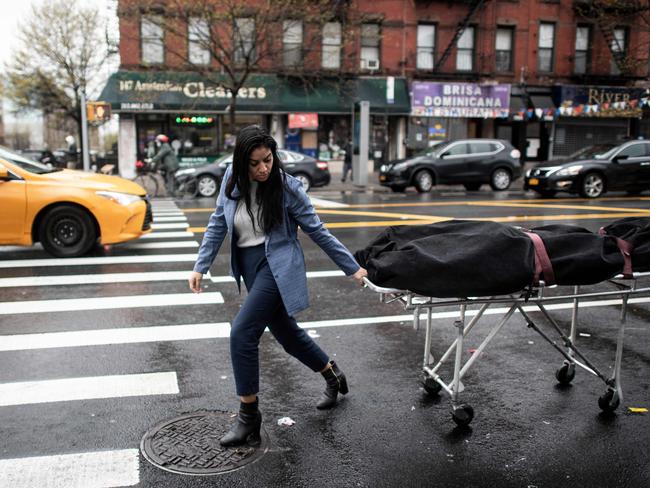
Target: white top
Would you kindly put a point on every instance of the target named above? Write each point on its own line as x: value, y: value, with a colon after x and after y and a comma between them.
x: 246, y: 237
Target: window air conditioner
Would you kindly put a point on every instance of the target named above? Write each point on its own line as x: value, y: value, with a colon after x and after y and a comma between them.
x: 372, y: 64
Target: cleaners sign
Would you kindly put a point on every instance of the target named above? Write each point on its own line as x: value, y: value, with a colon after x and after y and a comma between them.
x: 465, y: 100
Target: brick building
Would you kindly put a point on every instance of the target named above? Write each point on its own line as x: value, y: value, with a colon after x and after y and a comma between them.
x: 549, y: 75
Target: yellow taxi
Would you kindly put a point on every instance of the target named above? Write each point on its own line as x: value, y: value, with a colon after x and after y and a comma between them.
x: 67, y: 211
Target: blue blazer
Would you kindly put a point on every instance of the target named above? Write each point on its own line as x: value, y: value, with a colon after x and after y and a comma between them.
x: 282, y: 248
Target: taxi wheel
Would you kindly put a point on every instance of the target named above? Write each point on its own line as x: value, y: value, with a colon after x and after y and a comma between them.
x: 66, y: 231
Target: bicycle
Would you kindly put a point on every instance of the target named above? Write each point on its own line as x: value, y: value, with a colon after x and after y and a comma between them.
x: 146, y: 177
x: 187, y: 187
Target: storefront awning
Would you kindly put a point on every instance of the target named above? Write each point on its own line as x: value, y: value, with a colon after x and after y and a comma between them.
x: 167, y: 91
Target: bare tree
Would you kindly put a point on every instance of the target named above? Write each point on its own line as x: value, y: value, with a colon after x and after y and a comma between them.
x: 241, y: 38
x: 61, y: 55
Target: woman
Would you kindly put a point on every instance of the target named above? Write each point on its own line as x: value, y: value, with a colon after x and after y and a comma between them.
x: 261, y: 207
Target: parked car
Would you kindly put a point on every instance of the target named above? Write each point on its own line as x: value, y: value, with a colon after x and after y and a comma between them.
x: 309, y: 171
x: 594, y: 170
x: 44, y: 156
x: 67, y: 211
x: 469, y: 162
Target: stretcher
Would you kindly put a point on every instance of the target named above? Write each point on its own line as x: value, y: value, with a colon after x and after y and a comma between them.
x: 533, y: 298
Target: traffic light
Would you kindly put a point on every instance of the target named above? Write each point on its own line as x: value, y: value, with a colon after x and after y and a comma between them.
x: 98, y: 111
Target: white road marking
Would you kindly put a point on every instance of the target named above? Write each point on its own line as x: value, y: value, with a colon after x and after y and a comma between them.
x: 166, y: 235
x: 319, y: 202
x: 310, y: 274
x: 88, y: 388
x: 155, y: 226
x: 102, y: 469
x: 155, y: 258
x: 106, y: 303
x: 87, y: 279
x: 162, y: 245
x: 126, y: 335
x: 157, y: 219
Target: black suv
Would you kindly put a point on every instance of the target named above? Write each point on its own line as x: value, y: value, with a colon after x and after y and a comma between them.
x: 469, y: 162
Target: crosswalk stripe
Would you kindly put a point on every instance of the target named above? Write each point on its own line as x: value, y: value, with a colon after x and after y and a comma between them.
x: 126, y: 335
x: 162, y: 245
x: 166, y: 235
x: 183, y: 225
x: 310, y: 274
x: 88, y: 388
x: 155, y: 258
x: 87, y: 279
x: 102, y: 469
x: 170, y: 219
x: 106, y: 303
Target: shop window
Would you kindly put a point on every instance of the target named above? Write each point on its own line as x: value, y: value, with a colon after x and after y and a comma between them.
x: 581, y: 61
x: 503, y: 49
x: 151, y: 34
x: 196, y: 135
x: 292, y: 43
x: 198, y: 35
x: 426, y: 46
x: 244, y: 40
x: 465, y: 52
x: 619, y: 45
x: 332, y: 45
x: 545, y: 47
x: 370, y: 46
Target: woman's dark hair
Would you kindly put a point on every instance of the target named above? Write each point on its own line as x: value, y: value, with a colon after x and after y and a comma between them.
x: 270, y: 192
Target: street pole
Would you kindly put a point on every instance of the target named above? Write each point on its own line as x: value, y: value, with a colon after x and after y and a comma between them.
x: 84, y: 134
x: 360, y: 172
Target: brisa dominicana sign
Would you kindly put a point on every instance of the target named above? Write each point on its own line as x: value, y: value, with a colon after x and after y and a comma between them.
x: 433, y: 99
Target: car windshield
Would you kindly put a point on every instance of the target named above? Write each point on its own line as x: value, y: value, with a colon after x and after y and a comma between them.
x: 435, y: 145
x: 23, y: 163
x: 597, y: 151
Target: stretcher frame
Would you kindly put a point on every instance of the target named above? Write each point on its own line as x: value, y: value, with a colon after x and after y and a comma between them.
x: 463, y: 413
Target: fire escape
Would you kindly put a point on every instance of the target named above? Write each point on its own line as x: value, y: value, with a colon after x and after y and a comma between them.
x: 606, y: 15
x: 474, y: 6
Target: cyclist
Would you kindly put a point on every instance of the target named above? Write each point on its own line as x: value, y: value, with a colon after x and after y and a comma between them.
x: 165, y: 160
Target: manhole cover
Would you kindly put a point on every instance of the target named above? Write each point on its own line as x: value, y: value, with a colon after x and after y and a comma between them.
x: 189, y: 444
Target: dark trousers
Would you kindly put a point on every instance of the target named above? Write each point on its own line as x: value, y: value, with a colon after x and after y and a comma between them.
x: 347, y: 168
x: 263, y: 308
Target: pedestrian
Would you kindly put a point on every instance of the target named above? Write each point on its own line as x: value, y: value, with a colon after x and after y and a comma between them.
x: 71, y: 153
x: 347, y: 161
x: 261, y: 207
x: 166, y: 158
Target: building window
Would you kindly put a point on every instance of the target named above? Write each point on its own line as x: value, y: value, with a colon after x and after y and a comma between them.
x: 244, y: 39
x: 465, y: 54
x: 198, y: 35
x: 545, y: 43
x: 619, y: 41
x: 581, y: 62
x: 151, y: 33
x: 503, y: 49
x: 426, y: 46
x: 292, y: 42
x: 332, y: 45
x: 370, y: 46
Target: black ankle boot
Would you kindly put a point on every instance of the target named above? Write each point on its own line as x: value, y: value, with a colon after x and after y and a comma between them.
x: 247, y: 427
x: 336, y: 383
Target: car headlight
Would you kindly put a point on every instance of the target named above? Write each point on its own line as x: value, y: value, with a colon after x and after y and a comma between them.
x: 570, y: 171
x: 121, y: 198
x: 528, y: 173
x: 383, y: 168
x: 186, y: 171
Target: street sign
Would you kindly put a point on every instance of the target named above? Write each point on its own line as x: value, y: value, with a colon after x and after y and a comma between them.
x: 98, y: 111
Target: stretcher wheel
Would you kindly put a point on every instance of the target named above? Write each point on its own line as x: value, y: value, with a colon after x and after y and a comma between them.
x: 565, y: 374
x: 609, y: 401
x: 462, y: 415
x: 431, y: 386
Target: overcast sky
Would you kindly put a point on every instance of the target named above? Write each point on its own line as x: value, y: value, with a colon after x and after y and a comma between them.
x: 16, y: 11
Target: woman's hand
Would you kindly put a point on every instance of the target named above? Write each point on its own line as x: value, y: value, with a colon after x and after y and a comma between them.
x: 360, y: 275
x: 195, y: 281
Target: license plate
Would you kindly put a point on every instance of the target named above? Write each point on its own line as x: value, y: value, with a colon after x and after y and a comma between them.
x: 533, y: 181
x: 382, y: 178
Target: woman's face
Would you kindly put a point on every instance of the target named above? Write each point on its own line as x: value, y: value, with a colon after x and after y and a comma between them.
x: 260, y: 164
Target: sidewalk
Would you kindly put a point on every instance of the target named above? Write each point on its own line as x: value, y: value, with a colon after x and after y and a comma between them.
x: 336, y: 184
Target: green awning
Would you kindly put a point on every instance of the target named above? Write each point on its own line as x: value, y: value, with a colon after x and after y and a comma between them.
x: 163, y: 91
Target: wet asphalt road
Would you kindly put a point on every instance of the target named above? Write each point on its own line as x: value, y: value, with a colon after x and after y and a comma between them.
x: 528, y: 431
